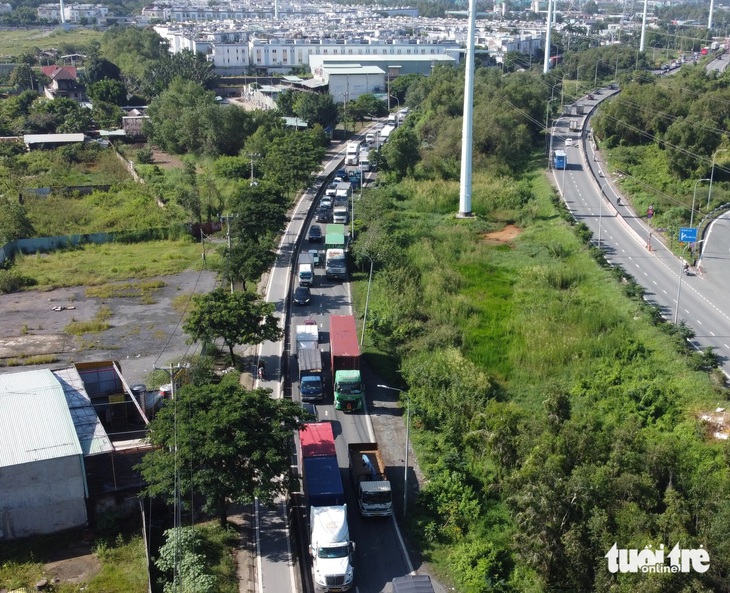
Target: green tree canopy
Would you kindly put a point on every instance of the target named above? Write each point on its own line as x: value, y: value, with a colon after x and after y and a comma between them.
x: 233, y: 444
x: 107, y: 91
x: 185, y: 118
x: 316, y: 109
x: 234, y: 317
x: 191, y: 67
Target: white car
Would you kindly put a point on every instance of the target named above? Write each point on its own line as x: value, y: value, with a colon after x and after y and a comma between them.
x: 568, y: 142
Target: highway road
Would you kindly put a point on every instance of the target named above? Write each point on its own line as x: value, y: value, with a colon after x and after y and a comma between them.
x: 699, y: 300
x: 380, y: 551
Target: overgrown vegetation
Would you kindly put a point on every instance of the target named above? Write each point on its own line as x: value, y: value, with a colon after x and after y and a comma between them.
x: 556, y: 412
x: 97, y: 265
x: 118, y: 548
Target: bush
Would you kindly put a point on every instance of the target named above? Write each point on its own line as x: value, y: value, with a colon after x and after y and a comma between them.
x: 144, y: 156
x: 11, y: 281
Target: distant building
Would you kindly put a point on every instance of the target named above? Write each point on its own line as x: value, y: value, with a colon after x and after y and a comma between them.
x: 74, y: 13
x: 64, y: 83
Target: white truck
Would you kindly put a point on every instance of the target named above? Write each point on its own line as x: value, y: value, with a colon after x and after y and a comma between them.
x: 344, y: 190
x: 353, y: 153
x: 307, y: 337
x: 385, y: 133
x: 331, y: 549
x: 340, y: 215
x: 306, y: 270
x: 365, y: 161
x: 335, y: 264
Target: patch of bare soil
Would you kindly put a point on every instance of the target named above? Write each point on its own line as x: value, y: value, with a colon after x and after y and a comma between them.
x: 78, y: 569
x: 165, y: 161
x: 506, y: 235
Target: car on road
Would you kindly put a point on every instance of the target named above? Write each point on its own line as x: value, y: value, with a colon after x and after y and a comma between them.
x: 315, y: 233
x: 568, y: 142
x: 326, y: 202
x: 323, y: 214
x: 302, y: 295
x: 310, y: 408
x: 341, y: 175
x: 315, y: 257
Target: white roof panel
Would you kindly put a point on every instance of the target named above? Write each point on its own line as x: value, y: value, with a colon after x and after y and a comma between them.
x: 35, y: 422
x: 89, y: 429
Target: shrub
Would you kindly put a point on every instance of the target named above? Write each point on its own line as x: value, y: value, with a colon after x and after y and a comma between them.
x: 144, y: 156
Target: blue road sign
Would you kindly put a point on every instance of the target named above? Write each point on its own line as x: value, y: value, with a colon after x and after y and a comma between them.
x: 687, y: 235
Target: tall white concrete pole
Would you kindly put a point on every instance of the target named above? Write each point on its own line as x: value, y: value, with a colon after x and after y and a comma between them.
x: 548, y: 30
x: 276, y: 10
x: 466, y: 134
x: 709, y: 20
x: 643, y: 27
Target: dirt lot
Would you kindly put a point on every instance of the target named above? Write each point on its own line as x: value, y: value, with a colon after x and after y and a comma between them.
x: 142, y: 328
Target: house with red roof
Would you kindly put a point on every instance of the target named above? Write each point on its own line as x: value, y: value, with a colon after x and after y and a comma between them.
x: 64, y: 83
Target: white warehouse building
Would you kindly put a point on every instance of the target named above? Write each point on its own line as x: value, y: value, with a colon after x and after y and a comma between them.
x: 42, y: 477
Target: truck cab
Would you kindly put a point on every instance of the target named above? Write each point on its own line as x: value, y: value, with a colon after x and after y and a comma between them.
x: 331, y: 549
x: 348, y: 390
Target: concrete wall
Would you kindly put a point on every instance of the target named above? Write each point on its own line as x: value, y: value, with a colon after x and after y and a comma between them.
x: 42, y: 497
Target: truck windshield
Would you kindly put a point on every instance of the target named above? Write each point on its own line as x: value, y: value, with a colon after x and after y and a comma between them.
x: 349, y: 387
x: 335, y: 552
x: 311, y: 384
x: 336, y: 261
x: 376, y: 497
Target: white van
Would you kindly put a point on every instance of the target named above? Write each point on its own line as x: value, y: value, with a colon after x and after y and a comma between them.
x: 306, y: 275
x: 370, y: 138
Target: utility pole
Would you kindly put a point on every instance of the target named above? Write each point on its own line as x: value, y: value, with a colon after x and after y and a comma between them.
x: 177, y: 514
x: 548, y: 31
x: 466, y: 134
x: 228, y: 238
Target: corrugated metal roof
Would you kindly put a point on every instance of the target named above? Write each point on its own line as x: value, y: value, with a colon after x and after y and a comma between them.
x: 89, y: 429
x: 41, y: 138
x: 350, y: 69
x: 35, y: 422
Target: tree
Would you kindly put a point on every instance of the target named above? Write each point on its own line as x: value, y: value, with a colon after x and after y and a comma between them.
x: 14, y: 221
x: 291, y: 159
x: 400, y: 153
x: 233, y: 444
x: 185, y: 118
x: 247, y: 259
x: 23, y: 77
x: 97, y: 69
x: 316, y: 109
x: 371, y: 106
x: 107, y: 115
x: 192, y: 67
x: 62, y: 115
x: 285, y: 103
x: 235, y: 317
x: 108, y: 91
x: 259, y: 211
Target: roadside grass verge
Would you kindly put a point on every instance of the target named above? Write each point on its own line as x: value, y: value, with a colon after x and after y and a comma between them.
x: 98, y: 265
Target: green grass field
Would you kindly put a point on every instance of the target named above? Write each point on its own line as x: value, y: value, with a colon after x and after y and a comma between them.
x: 14, y: 42
x: 94, y: 265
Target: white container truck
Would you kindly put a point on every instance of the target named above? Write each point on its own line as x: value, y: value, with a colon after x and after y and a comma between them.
x: 353, y: 153
x: 331, y: 549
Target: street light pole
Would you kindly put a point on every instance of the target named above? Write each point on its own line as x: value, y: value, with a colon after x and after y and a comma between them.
x: 408, y: 435
x: 694, y: 195
x: 712, y: 174
x: 679, y: 284
x: 367, y: 302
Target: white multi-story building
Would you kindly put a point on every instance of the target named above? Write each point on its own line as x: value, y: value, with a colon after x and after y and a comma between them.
x: 74, y: 13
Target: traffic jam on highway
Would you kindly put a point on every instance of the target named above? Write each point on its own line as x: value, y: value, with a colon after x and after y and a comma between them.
x: 326, y: 378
